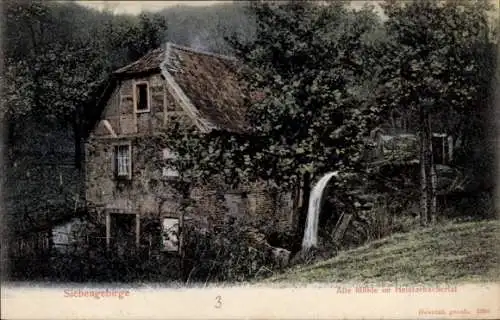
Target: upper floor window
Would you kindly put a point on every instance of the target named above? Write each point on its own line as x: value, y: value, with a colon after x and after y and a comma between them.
x: 123, y: 161
x: 142, y: 97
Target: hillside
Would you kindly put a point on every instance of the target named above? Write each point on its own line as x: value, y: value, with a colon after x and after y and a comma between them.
x: 446, y: 253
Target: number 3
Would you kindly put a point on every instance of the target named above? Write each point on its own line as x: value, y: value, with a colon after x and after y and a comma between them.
x: 218, y: 303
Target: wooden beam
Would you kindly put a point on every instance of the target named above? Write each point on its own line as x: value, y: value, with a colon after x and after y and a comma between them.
x: 108, y: 229
x: 137, y: 229
x: 108, y: 126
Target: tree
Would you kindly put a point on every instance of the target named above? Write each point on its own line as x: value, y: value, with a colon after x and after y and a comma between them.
x: 57, y: 58
x: 438, y: 64
x: 307, y: 64
x: 51, y: 72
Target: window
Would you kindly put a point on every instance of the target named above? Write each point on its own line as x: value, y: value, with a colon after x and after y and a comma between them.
x: 142, y: 97
x: 235, y: 203
x: 442, y: 148
x: 170, y: 230
x: 63, y: 235
x: 123, y: 162
x: 167, y: 170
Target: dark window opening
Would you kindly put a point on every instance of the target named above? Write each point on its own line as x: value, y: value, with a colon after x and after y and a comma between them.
x: 142, y: 97
x: 441, y: 149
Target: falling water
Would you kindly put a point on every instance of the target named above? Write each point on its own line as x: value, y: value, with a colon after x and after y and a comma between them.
x: 311, y: 231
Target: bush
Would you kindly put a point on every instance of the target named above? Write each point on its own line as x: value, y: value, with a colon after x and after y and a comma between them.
x: 232, y: 251
x: 471, y: 206
x: 87, y: 259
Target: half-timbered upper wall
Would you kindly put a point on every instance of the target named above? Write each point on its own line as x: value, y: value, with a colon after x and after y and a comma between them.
x: 138, y: 106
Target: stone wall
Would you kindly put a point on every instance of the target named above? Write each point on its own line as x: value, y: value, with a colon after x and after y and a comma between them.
x: 148, y: 193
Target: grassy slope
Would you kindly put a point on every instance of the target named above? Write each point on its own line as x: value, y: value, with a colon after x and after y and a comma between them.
x: 445, y: 253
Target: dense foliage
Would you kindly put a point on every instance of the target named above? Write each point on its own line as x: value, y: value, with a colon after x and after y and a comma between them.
x: 311, y: 66
x: 57, y: 54
x: 439, y: 61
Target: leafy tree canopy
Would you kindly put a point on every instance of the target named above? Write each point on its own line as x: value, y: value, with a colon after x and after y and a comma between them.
x: 311, y: 64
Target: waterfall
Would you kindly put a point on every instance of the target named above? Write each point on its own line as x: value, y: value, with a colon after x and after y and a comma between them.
x: 311, y: 230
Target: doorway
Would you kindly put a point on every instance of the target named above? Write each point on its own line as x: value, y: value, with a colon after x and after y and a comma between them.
x: 123, y: 233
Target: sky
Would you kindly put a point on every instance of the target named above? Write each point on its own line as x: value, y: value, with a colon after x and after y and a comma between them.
x: 135, y: 7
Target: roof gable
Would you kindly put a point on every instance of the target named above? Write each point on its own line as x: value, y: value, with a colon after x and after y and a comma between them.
x: 209, y: 81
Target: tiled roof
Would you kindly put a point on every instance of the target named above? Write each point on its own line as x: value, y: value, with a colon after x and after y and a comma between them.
x: 148, y: 63
x: 211, y: 82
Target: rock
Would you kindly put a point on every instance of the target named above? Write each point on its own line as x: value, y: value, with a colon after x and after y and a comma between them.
x: 281, y: 256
